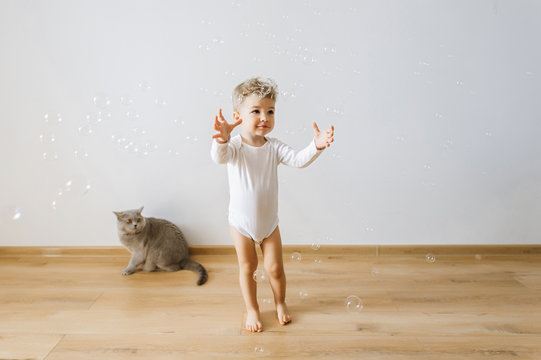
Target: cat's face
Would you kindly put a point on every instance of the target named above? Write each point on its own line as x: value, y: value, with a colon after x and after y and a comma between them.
x: 130, y: 221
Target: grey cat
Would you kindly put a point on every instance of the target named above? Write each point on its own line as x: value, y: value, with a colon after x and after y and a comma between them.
x: 155, y: 244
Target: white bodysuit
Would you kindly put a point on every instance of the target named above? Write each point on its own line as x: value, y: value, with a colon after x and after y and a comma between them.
x: 253, y: 181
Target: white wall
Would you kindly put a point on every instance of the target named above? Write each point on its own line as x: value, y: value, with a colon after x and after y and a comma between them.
x: 435, y: 104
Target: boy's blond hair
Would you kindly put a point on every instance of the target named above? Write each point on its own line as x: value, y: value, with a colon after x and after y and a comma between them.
x: 264, y: 88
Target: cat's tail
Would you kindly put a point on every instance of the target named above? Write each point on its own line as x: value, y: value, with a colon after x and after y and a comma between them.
x: 189, y: 264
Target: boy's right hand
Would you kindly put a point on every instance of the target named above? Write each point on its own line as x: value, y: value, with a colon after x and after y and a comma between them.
x: 223, y: 128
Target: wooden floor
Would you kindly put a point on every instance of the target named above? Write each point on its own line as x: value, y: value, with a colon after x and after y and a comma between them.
x: 459, y: 307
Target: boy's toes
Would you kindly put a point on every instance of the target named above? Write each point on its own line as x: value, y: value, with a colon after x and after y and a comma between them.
x: 285, y: 319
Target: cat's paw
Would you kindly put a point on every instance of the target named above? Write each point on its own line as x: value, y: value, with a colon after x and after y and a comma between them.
x: 127, y: 271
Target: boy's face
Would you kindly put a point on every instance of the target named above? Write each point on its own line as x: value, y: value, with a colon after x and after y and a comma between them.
x: 257, y: 115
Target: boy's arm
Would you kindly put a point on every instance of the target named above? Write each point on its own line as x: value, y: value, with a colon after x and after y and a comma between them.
x: 220, y: 151
x: 323, y: 139
x: 303, y: 158
x: 298, y: 159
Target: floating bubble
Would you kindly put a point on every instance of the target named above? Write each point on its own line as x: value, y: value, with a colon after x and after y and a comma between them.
x: 259, y: 276
x: 101, y: 101
x: 132, y: 115
x: 48, y: 118
x: 85, y: 130
x: 16, y: 214
x: 53, y: 204
x: 259, y: 349
x: 47, y: 138
x: 317, y: 260
x: 87, y: 189
x: 430, y: 258
x: 50, y: 155
x: 329, y: 50
x: 296, y: 256
x: 315, y: 246
x: 125, y: 100
x: 174, y: 153
x: 354, y: 303
x: 303, y: 294
x: 80, y: 154
x: 267, y: 301
x: 144, y: 85
x: 160, y: 102
x: 478, y: 257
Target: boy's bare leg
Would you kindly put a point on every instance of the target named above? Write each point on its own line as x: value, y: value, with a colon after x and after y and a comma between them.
x: 274, y: 266
x: 247, y: 258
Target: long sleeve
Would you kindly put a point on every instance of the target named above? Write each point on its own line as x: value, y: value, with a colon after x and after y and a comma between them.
x: 299, y: 159
x: 220, y: 153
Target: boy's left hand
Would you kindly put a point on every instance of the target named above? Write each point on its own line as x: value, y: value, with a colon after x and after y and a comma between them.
x: 323, y: 139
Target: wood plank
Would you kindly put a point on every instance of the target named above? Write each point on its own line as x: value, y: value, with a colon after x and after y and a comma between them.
x: 345, y: 250
x: 459, y: 307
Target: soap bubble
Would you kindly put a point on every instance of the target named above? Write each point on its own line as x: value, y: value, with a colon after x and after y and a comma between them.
x: 296, y: 256
x: 430, y: 258
x: 303, y: 294
x: 478, y: 256
x: 160, y: 101
x: 50, y: 155
x: 125, y: 100
x: 47, y: 118
x: 315, y: 246
x: 144, y: 85
x: 353, y: 303
x: 259, y: 349
x: 86, y: 130
x: 17, y: 214
x: 317, y: 260
x: 47, y: 138
x: 80, y: 153
x: 259, y: 276
x: 87, y: 189
x: 132, y: 115
x: 101, y: 101
x: 267, y: 301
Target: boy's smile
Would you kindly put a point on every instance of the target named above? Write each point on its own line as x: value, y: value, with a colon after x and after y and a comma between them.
x: 257, y: 116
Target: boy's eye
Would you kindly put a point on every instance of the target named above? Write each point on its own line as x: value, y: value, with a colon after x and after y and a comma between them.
x: 256, y: 111
x: 271, y: 112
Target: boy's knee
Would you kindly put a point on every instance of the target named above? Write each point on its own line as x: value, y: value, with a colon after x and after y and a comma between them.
x: 275, y: 270
x: 248, y: 268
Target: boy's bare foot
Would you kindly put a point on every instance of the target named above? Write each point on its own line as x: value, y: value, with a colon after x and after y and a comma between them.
x: 253, y: 322
x: 283, y: 313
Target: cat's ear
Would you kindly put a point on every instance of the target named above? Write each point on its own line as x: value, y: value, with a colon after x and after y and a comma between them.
x: 140, y: 210
x: 118, y: 215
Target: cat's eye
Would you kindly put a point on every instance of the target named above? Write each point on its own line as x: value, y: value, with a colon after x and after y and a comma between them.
x: 129, y: 221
